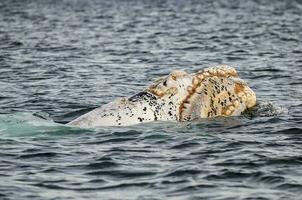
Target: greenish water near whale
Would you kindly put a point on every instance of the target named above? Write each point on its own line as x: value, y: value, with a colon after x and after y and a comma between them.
x: 60, y: 59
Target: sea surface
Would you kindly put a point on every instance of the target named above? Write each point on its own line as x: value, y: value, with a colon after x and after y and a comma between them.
x: 62, y: 58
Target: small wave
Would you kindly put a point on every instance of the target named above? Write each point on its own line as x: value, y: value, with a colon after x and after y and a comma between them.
x: 290, y: 186
x: 121, y: 173
x: 101, y: 165
x: 39, y: 155
x: 183, y: 172
x: 289, y: 131
x: 228, y: 175
x: 185, y: 145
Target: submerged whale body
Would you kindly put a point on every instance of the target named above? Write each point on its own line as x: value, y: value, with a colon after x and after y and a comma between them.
x: 180, y: 96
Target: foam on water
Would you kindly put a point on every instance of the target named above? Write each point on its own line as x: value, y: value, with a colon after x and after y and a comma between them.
x: 266, y: 109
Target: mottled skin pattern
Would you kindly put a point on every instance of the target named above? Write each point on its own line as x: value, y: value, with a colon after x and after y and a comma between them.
x: 211, y: 92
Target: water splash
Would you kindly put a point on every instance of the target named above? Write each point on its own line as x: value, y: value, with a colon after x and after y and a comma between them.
x: 265, y: 109
x: 29, y: 124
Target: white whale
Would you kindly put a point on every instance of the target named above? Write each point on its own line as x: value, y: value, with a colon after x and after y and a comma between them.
x: 180, y: 96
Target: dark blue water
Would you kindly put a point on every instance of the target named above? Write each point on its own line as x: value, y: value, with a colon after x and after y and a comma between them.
x: 64, y: 58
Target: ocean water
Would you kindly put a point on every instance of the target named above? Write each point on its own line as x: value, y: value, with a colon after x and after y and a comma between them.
x: 60, y: 59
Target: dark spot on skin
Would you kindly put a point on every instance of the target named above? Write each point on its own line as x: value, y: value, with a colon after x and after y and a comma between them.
x: 209, y: 113
x: 140, y: 119
x: 155, y: 117
x: 142, y: 96
x: 212, y: 103
x: 187, y: 118
x: 144, y: 109
x: 165, y: 83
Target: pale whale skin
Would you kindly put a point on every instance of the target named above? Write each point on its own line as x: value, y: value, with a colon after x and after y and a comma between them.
x: 180, y: 96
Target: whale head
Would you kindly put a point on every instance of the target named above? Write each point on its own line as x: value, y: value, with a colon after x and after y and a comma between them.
x: 210, y: 92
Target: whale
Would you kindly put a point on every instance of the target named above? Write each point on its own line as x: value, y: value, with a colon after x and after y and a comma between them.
x: 215, y: 91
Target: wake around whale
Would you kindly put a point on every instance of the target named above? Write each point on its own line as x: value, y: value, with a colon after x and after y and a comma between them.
x: 179, y: 96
